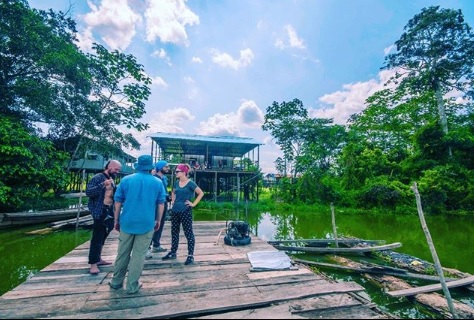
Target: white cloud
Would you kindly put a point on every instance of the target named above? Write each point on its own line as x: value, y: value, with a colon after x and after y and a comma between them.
x: 340, y: 105
x: 168, y: 120
x: 167, y: 20
x: 159, y: 82
x: 220, y: 125
x: 279, y: 44
x: 161, y: 53
x: 291, y: 39
x: 196, y: 60
x: 389, y: 49
x: 189, y: 80
x: 192, y: 89
x: 249, y: 114
x: 226, y: 60
x: 295, y: 42
x: 86, y: 40
x: 113, y: 21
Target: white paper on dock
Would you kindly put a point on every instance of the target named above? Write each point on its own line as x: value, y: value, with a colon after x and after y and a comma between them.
x: 271, y: 260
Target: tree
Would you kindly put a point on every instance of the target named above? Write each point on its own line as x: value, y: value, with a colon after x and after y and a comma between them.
x: 323, y: 142
x: 282, y: 120
x: 436, y: 53
x: 30, y: 165
x: 40, y: 66
x: 119, y: 87
x: 47, y: 82
x: 45, y: 78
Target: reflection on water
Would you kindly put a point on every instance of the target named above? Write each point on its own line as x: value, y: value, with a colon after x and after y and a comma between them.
x: 453, y: 237
x: 23, y: 255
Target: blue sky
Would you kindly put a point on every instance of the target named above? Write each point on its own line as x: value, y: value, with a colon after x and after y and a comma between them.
x: 217, y: 65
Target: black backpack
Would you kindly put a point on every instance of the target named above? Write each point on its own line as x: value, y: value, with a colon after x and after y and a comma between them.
x: 237, y: 233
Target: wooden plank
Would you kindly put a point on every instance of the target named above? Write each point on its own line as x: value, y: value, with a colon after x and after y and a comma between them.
x: 322, y: 241
x: 340, y: 250
x: 431, y: 287
x: 374, y: 270
x: 219, y: 283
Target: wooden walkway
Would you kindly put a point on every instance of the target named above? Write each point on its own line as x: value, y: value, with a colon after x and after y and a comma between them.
x: 219, y: 285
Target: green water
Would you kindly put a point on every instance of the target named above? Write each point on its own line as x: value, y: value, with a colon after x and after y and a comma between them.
x: 23, y: 255
x: 453, y: 236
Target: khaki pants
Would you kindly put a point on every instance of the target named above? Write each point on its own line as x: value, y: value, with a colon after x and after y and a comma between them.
x: 131, y: 253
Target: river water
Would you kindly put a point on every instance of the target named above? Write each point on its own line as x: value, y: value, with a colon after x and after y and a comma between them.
x: 23, y: 255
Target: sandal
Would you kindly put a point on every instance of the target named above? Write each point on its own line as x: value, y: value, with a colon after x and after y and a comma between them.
x: 93, y: 270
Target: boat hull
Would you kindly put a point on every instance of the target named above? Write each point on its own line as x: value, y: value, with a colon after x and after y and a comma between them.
x: 32, y: 218
x: 340, y: 250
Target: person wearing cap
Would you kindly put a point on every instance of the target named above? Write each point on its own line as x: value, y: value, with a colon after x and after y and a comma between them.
x: 161, y: 169
x: 142, y: 197
x: 184, y: 191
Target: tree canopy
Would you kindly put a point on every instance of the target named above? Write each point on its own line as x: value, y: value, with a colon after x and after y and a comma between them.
x: 52, y: 90
x: 401, y: 136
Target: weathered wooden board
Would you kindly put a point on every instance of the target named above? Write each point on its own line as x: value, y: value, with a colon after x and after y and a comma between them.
x: 220, y: 282
x: 431, y: 287
x: 387, y: 271
x: 322, y: 241
x: 340, y: 250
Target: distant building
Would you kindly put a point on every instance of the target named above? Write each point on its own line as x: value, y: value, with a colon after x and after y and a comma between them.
x: 231, y: 163
x: 91, y: 159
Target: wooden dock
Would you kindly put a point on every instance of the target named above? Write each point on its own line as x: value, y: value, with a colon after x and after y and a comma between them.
x: 218, y: 285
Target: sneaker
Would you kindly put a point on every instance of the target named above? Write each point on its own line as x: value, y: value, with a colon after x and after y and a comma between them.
x: 148, y: 254
x: 158, y: 249
x: 189, y: 260
x: 169, y: 256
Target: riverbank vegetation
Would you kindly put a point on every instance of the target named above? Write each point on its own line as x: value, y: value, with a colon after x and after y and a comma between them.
x: 419, y: 128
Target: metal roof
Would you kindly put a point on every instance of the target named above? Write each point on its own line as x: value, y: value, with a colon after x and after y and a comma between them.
x: 225, y: 146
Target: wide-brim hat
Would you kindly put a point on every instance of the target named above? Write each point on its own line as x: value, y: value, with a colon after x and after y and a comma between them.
x: 144, y: 163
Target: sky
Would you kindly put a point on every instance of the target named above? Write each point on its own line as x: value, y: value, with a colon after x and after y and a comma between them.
x: 217, y: 65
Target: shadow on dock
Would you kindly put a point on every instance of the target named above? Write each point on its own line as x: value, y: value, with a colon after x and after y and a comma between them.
x: 219, y: 285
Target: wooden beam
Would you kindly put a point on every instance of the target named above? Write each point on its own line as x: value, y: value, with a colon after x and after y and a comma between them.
x: 310, y: 241
x: 431, y: 287
x: 339, y: 250
x: 382, y: 270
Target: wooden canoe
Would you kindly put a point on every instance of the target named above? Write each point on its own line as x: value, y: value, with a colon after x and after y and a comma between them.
x: 31, y: 218
x: 340, y: 250
x: 326, y: 242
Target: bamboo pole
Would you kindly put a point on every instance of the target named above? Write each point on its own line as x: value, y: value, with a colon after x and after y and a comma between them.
x: 79, y: 208
x: 334, y: 229
x: 437, y: 263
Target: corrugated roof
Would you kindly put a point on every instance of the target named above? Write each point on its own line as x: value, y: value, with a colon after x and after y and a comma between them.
x: 226, y: 146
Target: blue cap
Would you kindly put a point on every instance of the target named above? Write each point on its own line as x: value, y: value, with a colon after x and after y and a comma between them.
x: 144, y: 163
x: 160, y: 165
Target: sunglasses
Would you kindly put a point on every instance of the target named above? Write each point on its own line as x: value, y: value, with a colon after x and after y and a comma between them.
x: 177, y: 171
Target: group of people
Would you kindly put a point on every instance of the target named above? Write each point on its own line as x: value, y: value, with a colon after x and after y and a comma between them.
x: 137, y: 208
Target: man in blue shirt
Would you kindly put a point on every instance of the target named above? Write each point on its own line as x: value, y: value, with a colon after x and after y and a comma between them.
x: 141, y: 196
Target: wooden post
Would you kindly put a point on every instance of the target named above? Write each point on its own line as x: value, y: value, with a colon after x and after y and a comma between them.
x: 439, y: 269
x: 80, y: 197
x: 334, y: 229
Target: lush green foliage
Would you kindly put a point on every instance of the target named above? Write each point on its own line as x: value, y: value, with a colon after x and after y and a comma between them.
x: 402, y: 135
x: 30, y: 165
x: 47, y: 82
